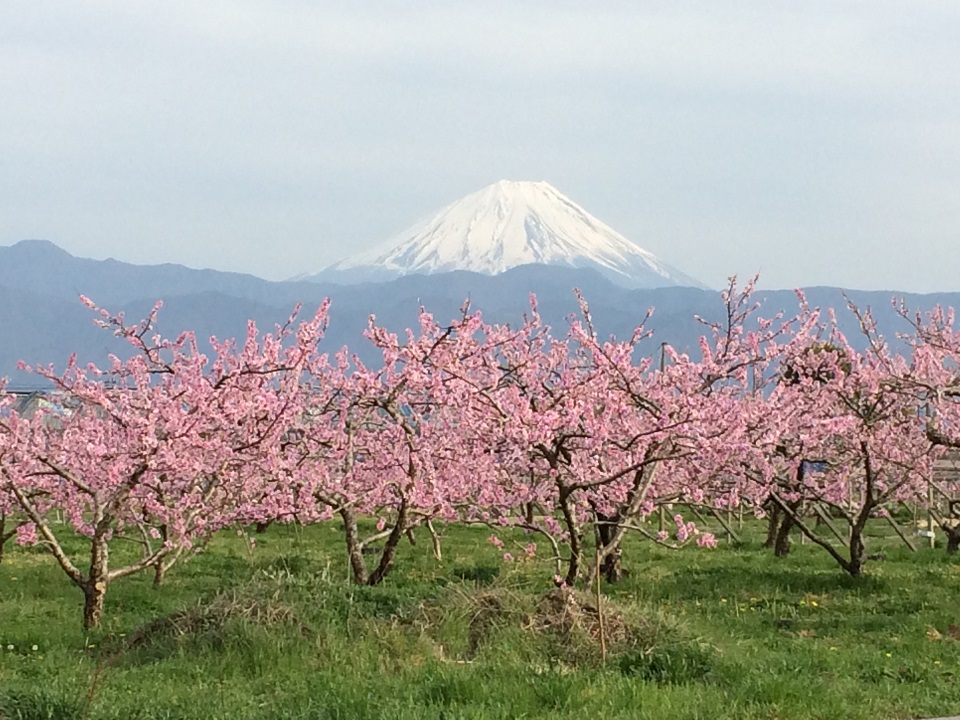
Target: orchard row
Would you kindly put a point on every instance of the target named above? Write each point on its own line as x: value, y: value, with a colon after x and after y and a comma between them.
x: 563, y: 434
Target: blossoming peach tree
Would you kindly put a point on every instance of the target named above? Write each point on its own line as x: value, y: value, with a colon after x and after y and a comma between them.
x: 560, y: 435
x: 154, y: 450
x: 836, y: 431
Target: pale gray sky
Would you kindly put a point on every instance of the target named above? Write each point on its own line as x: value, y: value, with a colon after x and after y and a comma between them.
x: 817, y: 142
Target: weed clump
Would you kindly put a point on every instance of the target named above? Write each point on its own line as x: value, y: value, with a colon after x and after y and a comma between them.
x: 567, y: 629
x: 211, y: 621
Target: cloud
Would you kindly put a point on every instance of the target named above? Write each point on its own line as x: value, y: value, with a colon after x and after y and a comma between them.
x: 273, y: 137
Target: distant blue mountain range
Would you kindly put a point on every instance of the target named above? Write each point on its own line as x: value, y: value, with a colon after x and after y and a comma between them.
x: 42, y: 321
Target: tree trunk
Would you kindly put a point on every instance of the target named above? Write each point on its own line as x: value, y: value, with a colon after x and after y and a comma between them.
x: 159, y: 573
x: 528, y: 513
x: 953, y: 539
x: 773, y: 524
x: 858, y: 550
x: 611, y: 568
x: 435, y: 541
x: 261, y: 527
x: 781, y: 544
x: 95, y: 587
x: 853, y: 565
x: 390, y: 547
x: 93, y: 596
x: 858, y: 553
x: 576, y: 538
x: 354, y: 549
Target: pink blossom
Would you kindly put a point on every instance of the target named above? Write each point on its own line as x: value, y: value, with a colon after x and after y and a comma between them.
x: 706, y: 540
x: 26, y: 534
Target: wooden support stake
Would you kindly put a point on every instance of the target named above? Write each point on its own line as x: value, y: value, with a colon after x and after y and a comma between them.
x: 833, y: 528
x: 726, y: 525
x: 603, y: 634
x: 906, y: 540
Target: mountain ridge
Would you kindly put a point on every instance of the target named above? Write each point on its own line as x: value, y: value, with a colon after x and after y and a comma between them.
x: 43, y: 322
x: 506, y: 225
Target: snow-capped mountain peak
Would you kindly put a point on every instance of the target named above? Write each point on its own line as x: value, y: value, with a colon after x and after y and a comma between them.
x: 505, y: 225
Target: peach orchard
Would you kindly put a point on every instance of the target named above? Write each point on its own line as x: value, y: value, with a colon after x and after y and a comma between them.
x: 573, y: 439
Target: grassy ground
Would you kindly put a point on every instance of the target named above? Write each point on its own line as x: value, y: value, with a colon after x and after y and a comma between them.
x: 278, y: 633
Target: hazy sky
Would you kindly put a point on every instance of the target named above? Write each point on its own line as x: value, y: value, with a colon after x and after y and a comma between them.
x: 817, y: 142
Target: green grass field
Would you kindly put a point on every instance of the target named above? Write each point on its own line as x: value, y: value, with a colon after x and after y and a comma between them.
x: 277, y: 632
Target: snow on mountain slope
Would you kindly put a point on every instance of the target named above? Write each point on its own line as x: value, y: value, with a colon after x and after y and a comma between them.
x: 506, y: 225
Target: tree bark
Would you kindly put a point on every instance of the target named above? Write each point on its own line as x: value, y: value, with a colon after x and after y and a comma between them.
x: 390, y: 547
x: 952, y: 531
x: 781, y: 545
x: 95, y: 586
x: 816, y: 539
x: 953, y: 539
x: 611, y: 567
x: 354, y: 549
x: 857, y: 555
x: 435, y: 541
x: 93, y: 597
x: 610, y: 534
x: 858, y: 550
x: 160, y: 567
x: 159, y: 573
x: 576, y: 537
x: 773, y: 524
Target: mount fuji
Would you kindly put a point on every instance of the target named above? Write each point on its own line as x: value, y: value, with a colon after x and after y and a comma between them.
x: 503, y: 226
